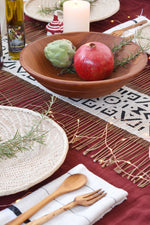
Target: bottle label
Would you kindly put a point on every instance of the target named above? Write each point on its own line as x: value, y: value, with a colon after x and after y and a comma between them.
x: 16, y: 38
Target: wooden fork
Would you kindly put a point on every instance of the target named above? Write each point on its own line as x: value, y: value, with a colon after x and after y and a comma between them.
x: 84, y: 200
x: 120, y: 32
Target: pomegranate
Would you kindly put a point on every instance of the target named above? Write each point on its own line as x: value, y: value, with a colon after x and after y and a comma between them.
x: 93, y: 61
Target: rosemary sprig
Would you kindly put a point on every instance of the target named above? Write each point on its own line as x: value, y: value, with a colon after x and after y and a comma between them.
x: 126, y: 60
x: 58, y: 6
x: 69, y: 69
x: 24, y: 142
x: 117, y: 47
x: 20, y: 143
x: 47, y: 10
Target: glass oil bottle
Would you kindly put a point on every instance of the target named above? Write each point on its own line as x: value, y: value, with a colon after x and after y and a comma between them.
x: 15, y: 27
x: 1, y: 52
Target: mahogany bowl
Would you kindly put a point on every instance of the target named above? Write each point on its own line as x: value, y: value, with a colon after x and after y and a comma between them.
x: 33, y: 60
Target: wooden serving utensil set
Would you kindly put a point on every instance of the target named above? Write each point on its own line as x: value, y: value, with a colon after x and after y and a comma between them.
x: 71, y: 183
x: 121, y: 31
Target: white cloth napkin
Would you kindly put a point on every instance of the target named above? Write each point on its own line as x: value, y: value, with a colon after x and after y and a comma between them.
x: 79, y: 215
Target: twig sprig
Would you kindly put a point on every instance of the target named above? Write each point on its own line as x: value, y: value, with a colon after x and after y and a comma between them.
x: 20, y: 143
x: 47, y: 10
x: 70, y: 69
x: 117, y: 47
x: 125, y: 60
x: 58, y: 6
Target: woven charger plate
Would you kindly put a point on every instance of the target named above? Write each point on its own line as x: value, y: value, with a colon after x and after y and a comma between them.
x: 144, y: 32
x: 100, y: 9
x: 29, y: 167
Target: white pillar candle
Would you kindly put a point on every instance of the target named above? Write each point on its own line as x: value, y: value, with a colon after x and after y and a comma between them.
x: 76, y: 16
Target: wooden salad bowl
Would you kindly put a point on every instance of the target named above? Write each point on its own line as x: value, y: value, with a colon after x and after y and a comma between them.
x: 33, y: 60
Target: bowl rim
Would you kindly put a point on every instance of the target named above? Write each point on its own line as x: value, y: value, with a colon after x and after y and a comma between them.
x: 76, y: 82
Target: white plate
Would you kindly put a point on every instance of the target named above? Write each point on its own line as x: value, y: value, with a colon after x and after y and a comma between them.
x: 29, y: 167
x: 100, y: 10
x: 144, y: 42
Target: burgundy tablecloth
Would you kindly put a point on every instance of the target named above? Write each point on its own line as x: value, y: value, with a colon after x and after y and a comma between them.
x: 128, y: 10
x: 136, y: 209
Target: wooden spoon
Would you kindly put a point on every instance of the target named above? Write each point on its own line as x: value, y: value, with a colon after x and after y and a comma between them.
x: 71, y: 183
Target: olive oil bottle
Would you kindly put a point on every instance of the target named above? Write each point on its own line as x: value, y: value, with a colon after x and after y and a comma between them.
x: 15, y: 27
x: 1, y: 53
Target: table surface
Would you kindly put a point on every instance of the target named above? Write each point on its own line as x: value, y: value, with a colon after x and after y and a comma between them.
x: 135, y: 210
